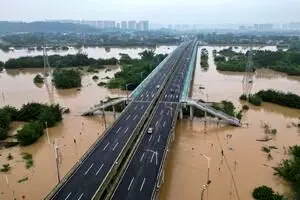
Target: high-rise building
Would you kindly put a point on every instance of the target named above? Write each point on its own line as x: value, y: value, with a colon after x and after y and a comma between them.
x: 139, y: 26
x: 144, y: 25
x: 132, y: 25
x: 109, y: 24
x: 118, y: 25
x: 263, y: 27
x: 123, y: 25
x: 100, y: 24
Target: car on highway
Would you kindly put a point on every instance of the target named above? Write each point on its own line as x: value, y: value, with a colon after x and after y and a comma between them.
x: 150, y: 130
x: 158, y: 86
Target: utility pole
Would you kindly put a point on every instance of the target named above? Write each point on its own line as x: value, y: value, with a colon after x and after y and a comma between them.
x: 248, y: 76
x: 47, y: 132
x: 104, y: 117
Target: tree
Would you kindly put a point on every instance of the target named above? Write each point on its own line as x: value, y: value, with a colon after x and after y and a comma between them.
x: 12, y: 111
x: 147, y: 55
x: 30, y: 111
x: 284, y: 99
x: 30, y: 133
x: 5, y: 119
x: 265, y: 193
x: 3, y: 133
x: 65, y: 79
x: 51, y: 115
x: 255, y: 100
x: 38, y: 79
x: 243, y: 97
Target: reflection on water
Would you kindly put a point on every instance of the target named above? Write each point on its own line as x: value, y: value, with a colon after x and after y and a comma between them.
x: 244, y: 166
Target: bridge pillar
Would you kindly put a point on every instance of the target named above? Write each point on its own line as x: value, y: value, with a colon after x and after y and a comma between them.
x: 180, y: 113
x: 191, y: 112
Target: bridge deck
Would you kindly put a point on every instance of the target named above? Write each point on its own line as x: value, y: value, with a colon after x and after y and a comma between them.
x: 91, y: 173
x: 142, y: 174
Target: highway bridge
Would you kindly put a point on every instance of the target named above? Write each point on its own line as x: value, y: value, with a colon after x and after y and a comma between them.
x: 127, y: 162
x: 141, y: 177
x: 96, y: 169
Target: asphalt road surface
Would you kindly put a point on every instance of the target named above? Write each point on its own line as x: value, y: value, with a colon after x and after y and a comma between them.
x: 141, y: 176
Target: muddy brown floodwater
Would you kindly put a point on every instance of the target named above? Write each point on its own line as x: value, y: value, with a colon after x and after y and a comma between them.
x: 244, y: 165
x: 18, y: 88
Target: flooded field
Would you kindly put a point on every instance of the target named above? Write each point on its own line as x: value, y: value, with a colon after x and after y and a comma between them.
x: 93, y: 52
x: 243, y: 167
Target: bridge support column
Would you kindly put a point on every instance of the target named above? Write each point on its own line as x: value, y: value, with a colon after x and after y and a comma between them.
x: 180, y: 113
x: 191, y: 112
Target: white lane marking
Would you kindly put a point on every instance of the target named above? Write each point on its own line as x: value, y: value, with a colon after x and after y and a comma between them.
x: 135, y: 117
x: 142, y: 107
x: 168, y: 112
x: 80, y: 196
x: 156, y: 123
x: 87, y: 171
x: 105, y: 146
x: 130, y: 183
x: 128, y: 116
x: 115, y: 146
x: 119, y: 129
x: 142, y: 185
x: 150, y: 138
x: 164, y: 123
x: 99, y: 169
x: 161, y: 112
x: 142, y: 157
x: 152, y: 158
x: 158, y: 138
x: 68, y: 196
x: 126, y: 130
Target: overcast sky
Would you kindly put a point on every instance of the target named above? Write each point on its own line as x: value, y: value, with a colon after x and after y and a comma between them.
x: 156, y: 11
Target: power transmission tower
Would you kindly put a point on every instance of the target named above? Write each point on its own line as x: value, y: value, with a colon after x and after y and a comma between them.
x: 248, y: 77
x: 48, y: 74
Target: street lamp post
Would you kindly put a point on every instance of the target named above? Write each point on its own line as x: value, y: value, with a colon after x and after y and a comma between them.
x: 47, y: 132
x: 208, y: 164
x: 104, y: 118
x: 57, y: 160
x: 126, y: 86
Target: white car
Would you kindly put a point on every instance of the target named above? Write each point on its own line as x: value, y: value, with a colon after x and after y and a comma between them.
x: 150, y: 130
x: 158, y: 86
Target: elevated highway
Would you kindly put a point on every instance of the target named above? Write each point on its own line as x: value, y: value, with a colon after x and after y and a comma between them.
x: 141, y: 179
x: 91, y: 176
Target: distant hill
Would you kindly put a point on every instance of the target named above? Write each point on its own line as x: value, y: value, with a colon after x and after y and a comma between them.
x: 47, y: 27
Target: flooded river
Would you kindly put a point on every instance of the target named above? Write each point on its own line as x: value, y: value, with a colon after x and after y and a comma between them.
x: 244, y: 165
x: 93, y: 52
x: 233, y: 177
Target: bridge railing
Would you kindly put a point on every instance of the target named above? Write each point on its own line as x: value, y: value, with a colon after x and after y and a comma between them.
x: 141, y: 86
x: 189, y: 77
